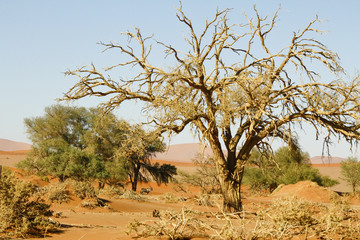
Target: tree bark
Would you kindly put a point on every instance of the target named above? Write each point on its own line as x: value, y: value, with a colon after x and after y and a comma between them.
x: 135, y: 179
x: 230, y: 171
x: 230, y: 178
x: 101, y: 185
x: 231, y: 191
x: 231, y: 196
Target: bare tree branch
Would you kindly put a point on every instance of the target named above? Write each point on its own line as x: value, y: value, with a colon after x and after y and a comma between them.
x: 238, y: 105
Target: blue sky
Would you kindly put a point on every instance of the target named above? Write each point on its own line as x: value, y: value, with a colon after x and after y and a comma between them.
x: 40, y: 40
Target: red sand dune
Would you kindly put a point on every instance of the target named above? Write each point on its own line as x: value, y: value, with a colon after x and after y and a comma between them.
x: 326, y: 165
x: 178, y: 164
x: 8, y: 145
x: 183, y: 152
x: 326, y: 160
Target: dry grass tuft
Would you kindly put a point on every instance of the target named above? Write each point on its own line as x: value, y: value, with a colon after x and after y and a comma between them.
x: 185, y: 224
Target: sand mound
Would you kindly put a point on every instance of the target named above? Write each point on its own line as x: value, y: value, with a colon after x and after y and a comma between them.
x: 306, y: 190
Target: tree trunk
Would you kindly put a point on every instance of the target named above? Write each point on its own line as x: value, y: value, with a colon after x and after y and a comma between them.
x: 101, y: 185
x: 230, y: 182
x: 0, y: 171
x: 135, y: 179
x: 231, y: 194
x: 134, y: 184
x: 61, y: 178
x: 230, y: 171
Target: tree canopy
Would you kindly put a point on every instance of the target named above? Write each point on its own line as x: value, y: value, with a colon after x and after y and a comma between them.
x: 232, y: 86
x: 59, y: 146
x: 80, y: 143
x: 350, y: 170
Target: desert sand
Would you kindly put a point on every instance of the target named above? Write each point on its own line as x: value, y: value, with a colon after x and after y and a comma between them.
x: 111, y: 222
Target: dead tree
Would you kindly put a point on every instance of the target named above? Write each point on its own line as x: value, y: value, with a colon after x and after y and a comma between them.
x: 232, y: 88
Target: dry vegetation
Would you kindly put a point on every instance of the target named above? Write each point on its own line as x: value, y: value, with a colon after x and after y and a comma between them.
x: 80, y: 211
x: 22, y: 209
x: 286, y: 218
x: 167, y: 214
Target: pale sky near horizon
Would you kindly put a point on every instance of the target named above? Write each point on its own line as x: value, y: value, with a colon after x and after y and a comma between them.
x: 42, y: 39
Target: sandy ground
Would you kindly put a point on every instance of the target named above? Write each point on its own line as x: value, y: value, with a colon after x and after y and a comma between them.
x: 111, y: 222
x: 10, y: 159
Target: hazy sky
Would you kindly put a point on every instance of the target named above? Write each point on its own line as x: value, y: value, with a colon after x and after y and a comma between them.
x: 40, y: 40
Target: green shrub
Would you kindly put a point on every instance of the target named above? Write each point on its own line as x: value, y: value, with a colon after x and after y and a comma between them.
x: 287, y: 166
x: 350, y: 169
x: 22, y: 210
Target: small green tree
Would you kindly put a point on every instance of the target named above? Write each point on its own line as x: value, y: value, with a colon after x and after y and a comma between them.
x: 59, y: 147
x: 80, y: 143
x: 104, y: 139
x: 137, y: 150
x: 288, y: 166
x: 350, y: 169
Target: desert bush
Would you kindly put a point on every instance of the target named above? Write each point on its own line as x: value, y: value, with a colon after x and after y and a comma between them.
x: 93, y: 203
x: 208, y: 200
x: 292, y: 212
x: 133, y: 196
x: 45, y: 179
x: 291, y: 216
x: 112, y: 191
x: 22, y: 211
x: 171, y: 198
x: 185, y: 224
x: 58, y: 193
x: 340, y: 220
x: 234, y: 226
x: 339, y: 209
x: 83, y: 189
